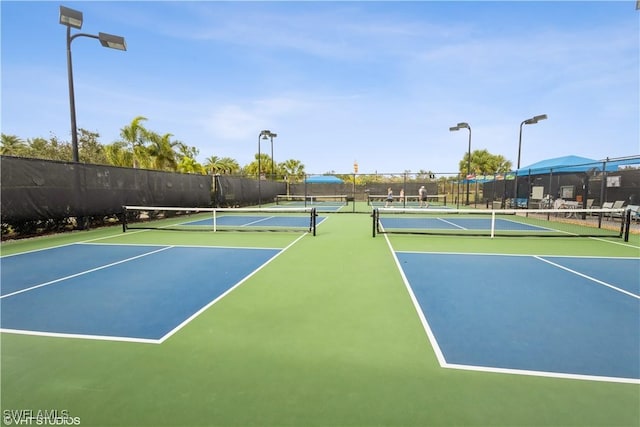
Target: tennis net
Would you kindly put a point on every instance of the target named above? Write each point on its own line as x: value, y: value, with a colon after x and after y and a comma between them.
x: 312, y: 200
x: 412, y: 201
x: 219, y: 219
x: 514, y: 222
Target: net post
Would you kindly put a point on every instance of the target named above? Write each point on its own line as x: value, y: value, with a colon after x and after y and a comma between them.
x: 124, y: 219
x: 626, y: 224
x: 313, y: 220
x: 214, y: 221
x: 493, y: 223
x: 375, y: 221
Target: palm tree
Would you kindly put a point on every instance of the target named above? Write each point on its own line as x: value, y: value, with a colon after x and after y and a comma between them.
x: 161, y: 151
x: 501, y: 164
x: 221, y: 165
x: 118, y: 155
x: 12, y: 145
x: 134, y: 134
x: 484, y: 162
x: 294, y: 169
x: 229, y: 166
x: 188, y: 162
x: 265, y: 165
x: 212, y: 164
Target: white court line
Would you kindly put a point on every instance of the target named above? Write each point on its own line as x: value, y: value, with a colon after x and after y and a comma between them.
x: 257, y: 221
x: 516, y: 255
x: 80, y: 242
x: 81, y: 336
x: 170, y: 333
x: 432, y: 338
x: 452, y: 223
x: 593, y: 279
x: 181, y: 246
x: 443, y: 362
x: 625, y: 244
x: 542, y: 374
x: 225, y: 293
x: 83, y: 273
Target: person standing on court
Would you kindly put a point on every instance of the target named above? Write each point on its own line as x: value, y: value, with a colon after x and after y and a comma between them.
x: 422, y: 195
x: 389, y: 199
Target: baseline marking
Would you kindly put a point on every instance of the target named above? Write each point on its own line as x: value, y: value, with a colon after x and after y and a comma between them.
x: 141, y: 340
x: 443, y: 362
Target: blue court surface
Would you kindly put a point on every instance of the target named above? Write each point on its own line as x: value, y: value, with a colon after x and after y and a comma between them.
x: 560, y: 316
x: 129, y: 292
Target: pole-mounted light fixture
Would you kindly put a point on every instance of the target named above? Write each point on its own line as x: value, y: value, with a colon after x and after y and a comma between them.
x: 532, y: 121
x: 465, y: 125
x: 73, y: 19
x: 263, y: 135
x: 273, y: 135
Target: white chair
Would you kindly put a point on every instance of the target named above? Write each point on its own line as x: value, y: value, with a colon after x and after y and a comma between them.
x: 618, y: 204
x: 613, y: 205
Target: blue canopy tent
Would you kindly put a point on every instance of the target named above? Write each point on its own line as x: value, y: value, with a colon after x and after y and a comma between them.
x: 323, y: 179
x: 566, y: 164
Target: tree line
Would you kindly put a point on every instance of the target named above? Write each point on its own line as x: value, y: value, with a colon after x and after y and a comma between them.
x: 140, y: 147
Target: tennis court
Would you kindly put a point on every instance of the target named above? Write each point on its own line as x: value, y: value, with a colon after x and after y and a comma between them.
x: 508, y: 320
x: 120, y: 292
x: 164, y: 325
x: 490, y: 222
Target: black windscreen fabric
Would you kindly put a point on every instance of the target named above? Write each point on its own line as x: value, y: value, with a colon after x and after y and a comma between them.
x: 34, y: 189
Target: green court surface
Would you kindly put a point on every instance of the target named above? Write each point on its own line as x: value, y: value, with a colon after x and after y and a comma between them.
x: 324, y: 335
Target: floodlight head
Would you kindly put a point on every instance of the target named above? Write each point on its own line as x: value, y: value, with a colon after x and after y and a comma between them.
x: 454, y: 128
x: 535, y: 119
x: 463, y: 125
x: 70, y: 18
x: 265, y: 134
x: 273, y: 135
x: 111, y: 41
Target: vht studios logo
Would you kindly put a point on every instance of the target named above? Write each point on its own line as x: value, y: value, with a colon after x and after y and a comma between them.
x: 47, y: 417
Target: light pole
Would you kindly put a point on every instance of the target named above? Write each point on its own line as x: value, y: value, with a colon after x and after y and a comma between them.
x: 73, y: 18
x: 457, y: 127
x: 265, y: 134
x: 272, y: 135
x: 532, y: 121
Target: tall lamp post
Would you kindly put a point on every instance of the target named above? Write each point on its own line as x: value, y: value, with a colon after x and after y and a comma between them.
x: 272, y: 135
x: 457, y: 127
x: 532, y: 121
x: 73, y: 19
x: 265, y: 134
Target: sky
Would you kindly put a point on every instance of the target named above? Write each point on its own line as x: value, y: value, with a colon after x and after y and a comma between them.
x: 373, y: 82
